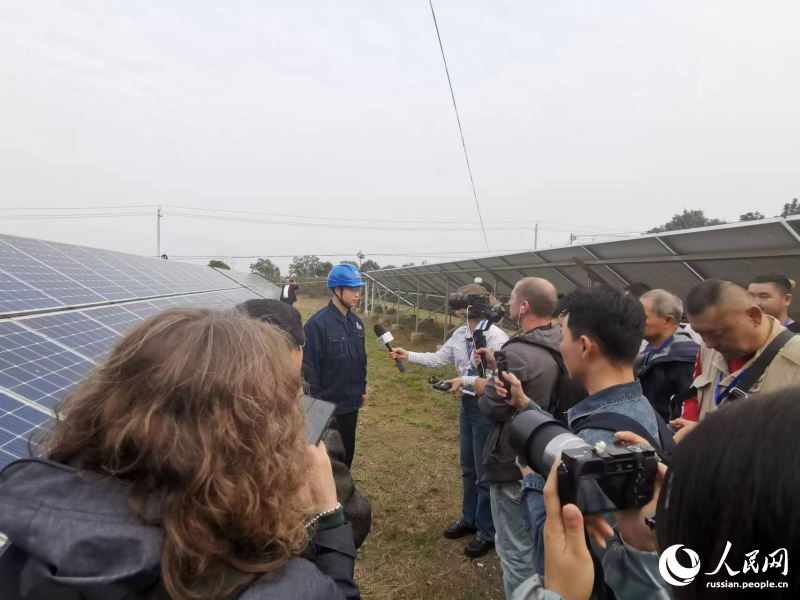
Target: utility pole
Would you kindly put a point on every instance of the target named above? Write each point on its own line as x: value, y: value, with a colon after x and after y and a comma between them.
x: 536, y: 236
x: 158, y: 233
x: 572, y: 237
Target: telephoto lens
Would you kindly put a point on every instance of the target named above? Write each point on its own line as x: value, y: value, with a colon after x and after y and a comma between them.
x: 540, y: 439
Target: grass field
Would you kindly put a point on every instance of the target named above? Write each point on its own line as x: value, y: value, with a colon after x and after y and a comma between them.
x: 406, y: 464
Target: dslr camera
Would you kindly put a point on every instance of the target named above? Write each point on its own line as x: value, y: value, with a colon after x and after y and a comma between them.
x: 597, y: 479
x: 478, y: 306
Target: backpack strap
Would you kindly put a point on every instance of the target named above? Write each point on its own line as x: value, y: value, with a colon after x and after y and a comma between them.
x: 611, y: 421
x: 756, y: 370
x: 753, y: 374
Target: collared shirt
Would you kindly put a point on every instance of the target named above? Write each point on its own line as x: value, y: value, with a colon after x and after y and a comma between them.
x: 459, y: 351
x: 335, y: 358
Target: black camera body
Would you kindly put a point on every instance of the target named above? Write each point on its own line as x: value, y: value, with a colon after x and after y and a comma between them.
x: 440, y: 385
x: 478, y: 306
x: 597, y: 479
x: 502, y: 364
x: 625, y: 473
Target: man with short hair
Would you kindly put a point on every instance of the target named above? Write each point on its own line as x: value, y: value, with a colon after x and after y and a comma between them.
x: 335, y: 357
x: 666, y: 366
x: 773, y: 294
x: 600, y: 340
x: 289, y: 291
x: 735, y: 332
x: 530, y: 358
x: 288, y: 319
x: 473, y: 427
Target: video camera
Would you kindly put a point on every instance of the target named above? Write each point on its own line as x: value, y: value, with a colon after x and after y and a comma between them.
x: 478, y: 306
x: 598, y: 479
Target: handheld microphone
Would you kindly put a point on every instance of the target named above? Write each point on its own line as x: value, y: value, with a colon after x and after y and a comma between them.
x: 385, y: 339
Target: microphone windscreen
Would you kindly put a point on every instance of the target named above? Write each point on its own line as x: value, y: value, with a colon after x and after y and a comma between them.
x: 379, y: 330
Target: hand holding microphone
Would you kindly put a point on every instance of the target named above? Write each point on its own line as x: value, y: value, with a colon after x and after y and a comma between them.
x: 385, y: 339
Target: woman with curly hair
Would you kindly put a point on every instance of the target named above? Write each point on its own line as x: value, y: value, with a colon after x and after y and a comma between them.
x: 180, y: 471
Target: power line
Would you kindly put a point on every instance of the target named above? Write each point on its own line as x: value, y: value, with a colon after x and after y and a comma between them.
x: 82, y: 207
x: 460, y: 130
x: 568, y: 226
x: 81, y: 216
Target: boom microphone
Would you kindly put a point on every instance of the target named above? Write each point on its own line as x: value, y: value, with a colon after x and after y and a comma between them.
x: 385, y: 339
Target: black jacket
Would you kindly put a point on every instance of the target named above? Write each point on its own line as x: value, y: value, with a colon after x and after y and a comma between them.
x: 667, y: 373
x: 357, y: 509
x: 530, y: 360
x: 289, y: 296
x: 73, y: 537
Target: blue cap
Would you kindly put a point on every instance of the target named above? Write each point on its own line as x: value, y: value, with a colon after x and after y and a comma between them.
x: 344, y: 275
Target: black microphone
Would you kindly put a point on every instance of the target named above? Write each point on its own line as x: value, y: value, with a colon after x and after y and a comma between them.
x: 385, y: 339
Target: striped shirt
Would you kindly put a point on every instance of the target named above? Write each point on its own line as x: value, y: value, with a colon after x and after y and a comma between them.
x: 458, y: 350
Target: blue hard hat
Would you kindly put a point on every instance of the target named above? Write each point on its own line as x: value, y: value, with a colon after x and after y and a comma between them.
x: 344, y: 275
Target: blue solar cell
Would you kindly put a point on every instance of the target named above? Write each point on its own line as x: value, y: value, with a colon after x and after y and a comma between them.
x: 37, y: 275
x: 113, y: 317
x: 143, y: 310
x: 91, y: 271
x: 19, y: 425
x: 75, y: 331
x: 41, y: 371
x: 16, y: 296
x: 138, y: 282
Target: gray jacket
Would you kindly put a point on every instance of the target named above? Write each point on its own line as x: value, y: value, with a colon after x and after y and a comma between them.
x: 72, y: 536
x: 529, y: 359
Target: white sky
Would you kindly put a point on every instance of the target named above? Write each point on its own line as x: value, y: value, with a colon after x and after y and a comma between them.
x: 596, y: 115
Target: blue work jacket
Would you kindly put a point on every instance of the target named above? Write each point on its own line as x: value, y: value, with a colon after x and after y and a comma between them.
x: 335, y: 358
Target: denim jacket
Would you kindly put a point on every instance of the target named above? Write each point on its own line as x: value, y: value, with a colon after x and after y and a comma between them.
x: 630, y: 573
x: 335, y: 358
x: 626, y: 399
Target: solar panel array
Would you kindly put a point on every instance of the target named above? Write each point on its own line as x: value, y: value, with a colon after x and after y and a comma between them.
x: 62, y: 309
x: 674, y: 260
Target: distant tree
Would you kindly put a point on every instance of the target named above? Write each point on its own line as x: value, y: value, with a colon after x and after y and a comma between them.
x: 304, y: 266
x: 324, y: 268
x: 689, y: 219
x: 407, y: 265
x: 369, y: 265
x: 218, y: 264
x: 266, y: 268
x: 388, y: 267
x: 790, y: 209
x: 751, y: 216
x: 349, y: 262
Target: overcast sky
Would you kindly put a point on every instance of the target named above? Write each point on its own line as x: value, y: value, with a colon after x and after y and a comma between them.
x: 589, y: 117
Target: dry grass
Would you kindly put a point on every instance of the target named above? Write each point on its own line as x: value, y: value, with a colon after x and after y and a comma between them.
x: 407, y: 465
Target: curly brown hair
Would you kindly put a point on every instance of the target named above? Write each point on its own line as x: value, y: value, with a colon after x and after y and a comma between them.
x: 200, y: 411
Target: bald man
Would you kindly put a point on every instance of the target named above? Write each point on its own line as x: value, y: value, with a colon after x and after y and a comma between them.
x: 530, y: 357
x: 734, y: 332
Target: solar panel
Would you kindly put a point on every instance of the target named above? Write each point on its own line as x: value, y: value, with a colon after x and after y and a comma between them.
x: 19, y: 424
x: 49, y: 281
x: 35, y: 368
x: 76, y: 331
x: 115, y: 279
x: 113, y: 317
x: 16, y: 296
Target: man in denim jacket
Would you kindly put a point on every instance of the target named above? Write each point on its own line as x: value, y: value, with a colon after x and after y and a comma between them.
x: 600, y: 340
